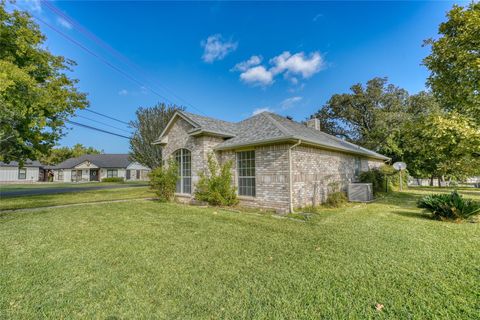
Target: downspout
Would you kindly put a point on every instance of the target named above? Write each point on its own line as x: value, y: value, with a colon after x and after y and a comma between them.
x: 290, y: 178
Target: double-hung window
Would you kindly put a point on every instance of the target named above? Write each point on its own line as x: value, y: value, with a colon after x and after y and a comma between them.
x: 22, y: 174
x: 112, y: 173
x: 358, y: 167
x: 183, y: 157
x: 60, y: 175
x: 246, y: 173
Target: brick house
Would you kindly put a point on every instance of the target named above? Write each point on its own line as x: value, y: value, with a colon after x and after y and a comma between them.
x: 278, y: 163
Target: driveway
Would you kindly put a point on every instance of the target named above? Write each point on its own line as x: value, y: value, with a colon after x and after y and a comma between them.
x: 55, y: 190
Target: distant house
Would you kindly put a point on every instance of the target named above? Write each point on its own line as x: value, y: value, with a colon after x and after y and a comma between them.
x: 95, y: 167
x: 30, y: 171
x: 277, y: 162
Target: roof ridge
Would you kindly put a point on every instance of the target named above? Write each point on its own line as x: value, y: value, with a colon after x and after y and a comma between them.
x: 277, y: 124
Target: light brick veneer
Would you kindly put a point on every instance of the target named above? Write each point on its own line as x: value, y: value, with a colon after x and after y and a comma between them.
x: 313, y: 169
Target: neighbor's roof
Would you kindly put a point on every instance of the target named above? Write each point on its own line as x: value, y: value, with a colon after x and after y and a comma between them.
x: 28, y: 163
x: 100, y: 160
x: 265, y: 128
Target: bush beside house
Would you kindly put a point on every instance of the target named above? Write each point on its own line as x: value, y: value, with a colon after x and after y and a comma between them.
x: 216, y: 187
x: 163, y: 180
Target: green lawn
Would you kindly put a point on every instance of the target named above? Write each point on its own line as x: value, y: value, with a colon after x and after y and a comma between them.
x: 23, y: 186
x: 169, y: 261
x: 23, y: 202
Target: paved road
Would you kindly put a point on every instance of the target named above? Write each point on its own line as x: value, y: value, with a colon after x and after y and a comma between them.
x: 41, y: 191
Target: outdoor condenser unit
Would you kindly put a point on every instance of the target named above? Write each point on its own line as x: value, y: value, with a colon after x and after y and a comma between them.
x: 360, y: 192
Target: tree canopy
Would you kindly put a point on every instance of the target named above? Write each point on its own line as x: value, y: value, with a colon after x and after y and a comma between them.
x: 454, y: 62
x: 36, y: 95
x: 149, y: 124
x: 57, y: 155
x: 372, y: 116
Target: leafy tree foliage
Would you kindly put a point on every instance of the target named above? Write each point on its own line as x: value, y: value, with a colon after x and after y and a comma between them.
x: 149, y: 124
x: 36, y: 95
x: 455, y: 61
x: 372, y: 116
x: 57, y: 155
x: 442, y: 145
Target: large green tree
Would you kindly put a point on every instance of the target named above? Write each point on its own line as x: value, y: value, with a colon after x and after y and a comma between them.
x: 149, y: 124
x: 36, y: 95
x: 373, y: 115
x: 57, y: 155
x: 455, y: 61
x: 441, y: 145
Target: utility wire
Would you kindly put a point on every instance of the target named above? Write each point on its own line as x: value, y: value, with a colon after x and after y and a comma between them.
x: 103, y: 60
x: 96, y: 129
x: 109, y: 117
x: 103, y: 123
x: 109, y: 48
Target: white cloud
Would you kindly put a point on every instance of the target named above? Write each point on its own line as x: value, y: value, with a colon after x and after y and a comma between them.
x: 290, y: 102
x: 32, y: 5
x: 215, y: 48
x: 299, y: 63
x: 64, y: 23
x: 293, y: 67
x: 257, y: 75
x: 260, y: 110
x: 123, y: 92
x: 245, y: 65
x: 318, y: 16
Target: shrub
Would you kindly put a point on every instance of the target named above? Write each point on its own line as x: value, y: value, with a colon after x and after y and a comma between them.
x: 163, y: 180
x: 449, y: 206
x: 113, y: 179
x: 336, y: 199
x: 376, y: 178
x: 216, y: 187
x: 383, y: 179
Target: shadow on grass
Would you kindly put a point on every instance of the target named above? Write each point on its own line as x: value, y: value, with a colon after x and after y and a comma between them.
x: 413, y: 214
x: 399, y: 199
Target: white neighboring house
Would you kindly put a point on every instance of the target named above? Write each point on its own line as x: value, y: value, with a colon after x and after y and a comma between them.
x: 95, y: 167
x: 31, y: 171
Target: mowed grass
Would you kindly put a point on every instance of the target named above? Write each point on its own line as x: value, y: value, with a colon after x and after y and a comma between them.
x: 46, y: 185
x: 170, y: 261
x: 24, y: 202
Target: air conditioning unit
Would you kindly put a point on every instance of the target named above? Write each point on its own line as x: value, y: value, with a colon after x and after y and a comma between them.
x: 360, y: 192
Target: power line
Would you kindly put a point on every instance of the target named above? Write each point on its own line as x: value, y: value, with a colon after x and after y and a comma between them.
x: 103, y: 60
x: 103, y: 123
x: 109, y: 48
x: 109, y: 117
x: 96, y: 129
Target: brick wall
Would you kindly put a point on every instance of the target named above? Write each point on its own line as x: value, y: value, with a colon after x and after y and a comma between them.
x: 316, y: 171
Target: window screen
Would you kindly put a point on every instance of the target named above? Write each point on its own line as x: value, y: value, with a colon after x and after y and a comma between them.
x: 22, y: 174
x: 184, y: 161
x: 112, y: 173
x: 246, y: 173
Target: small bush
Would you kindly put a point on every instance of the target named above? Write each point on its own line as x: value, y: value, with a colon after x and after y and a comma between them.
x: 383, y: 179
x: 113, y: 179
x: 449, y: 206
x: 336, y: 199
x: 216, y: 187
x: 163, y: 180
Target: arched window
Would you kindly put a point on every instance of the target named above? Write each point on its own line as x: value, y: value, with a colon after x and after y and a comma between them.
x: 184, y: 160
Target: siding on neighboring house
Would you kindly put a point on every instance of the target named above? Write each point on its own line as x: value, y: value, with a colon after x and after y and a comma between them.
x: 10, y: 174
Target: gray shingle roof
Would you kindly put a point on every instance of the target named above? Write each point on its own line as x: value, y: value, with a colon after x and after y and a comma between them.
x: 28, y: 163
x: 268, y: 127
x: 100, y: 160
x: 211, y: 125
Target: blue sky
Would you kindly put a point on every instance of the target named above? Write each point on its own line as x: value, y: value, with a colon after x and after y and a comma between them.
x: 229, y: 60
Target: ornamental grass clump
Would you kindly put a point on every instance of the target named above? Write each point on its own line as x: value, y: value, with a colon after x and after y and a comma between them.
x: 449, y: 206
